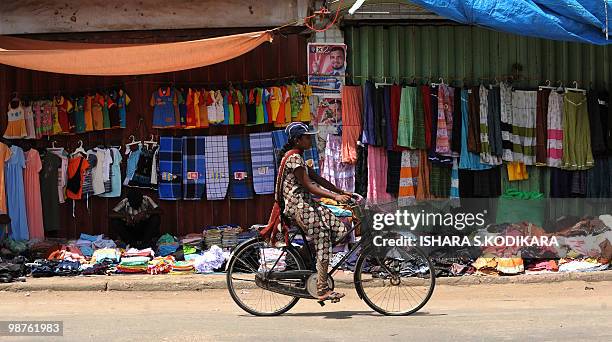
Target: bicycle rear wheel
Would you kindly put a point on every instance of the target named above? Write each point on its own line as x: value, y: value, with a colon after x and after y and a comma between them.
x: 398, y: 283
x: 255, y: 258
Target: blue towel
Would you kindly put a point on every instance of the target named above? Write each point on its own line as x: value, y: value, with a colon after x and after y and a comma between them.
x: 262, y: 162
x: 170, y: 168
x: 241, y: 175
x: 194, y: 168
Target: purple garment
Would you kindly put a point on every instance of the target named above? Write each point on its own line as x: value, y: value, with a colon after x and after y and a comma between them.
x: 368, y: 136
x: 387, y: 107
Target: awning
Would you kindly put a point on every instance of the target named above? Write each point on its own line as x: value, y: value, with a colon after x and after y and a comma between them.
x: 125, y: 59
x: 582, y: 21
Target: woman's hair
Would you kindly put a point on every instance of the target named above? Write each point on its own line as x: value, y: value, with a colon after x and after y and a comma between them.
x: 134, y: 198
x: 290, y: 145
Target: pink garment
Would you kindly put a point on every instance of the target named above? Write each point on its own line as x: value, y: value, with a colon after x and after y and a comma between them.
x: 444, y: 133
x: 31, y: 183
x: 377, y: 176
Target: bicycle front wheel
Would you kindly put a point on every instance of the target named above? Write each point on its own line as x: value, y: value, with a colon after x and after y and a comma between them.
x: 253, y: 259
x: 397, y: 282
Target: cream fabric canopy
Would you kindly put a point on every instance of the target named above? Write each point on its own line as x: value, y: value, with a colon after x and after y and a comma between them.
x: 125, y: 59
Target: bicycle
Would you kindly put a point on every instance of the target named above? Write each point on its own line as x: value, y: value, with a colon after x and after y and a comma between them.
x: 266, y: 280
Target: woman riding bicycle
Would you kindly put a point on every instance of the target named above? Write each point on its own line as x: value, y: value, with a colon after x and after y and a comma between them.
x: 297, y: 184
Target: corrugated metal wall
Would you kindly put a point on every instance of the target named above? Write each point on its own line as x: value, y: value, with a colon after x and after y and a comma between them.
x: 470, y: 53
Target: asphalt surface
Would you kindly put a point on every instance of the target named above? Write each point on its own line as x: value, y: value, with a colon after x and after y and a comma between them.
x: 572, y: 310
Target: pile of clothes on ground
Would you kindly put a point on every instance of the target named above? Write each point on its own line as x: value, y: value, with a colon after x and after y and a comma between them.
x: 98, y: 255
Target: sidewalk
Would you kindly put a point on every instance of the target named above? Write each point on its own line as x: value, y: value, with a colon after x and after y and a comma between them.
x: 200, y: 282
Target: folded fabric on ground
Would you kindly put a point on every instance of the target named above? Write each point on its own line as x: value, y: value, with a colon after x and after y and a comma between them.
x: 134, y: 252
x: 211, y: 260
x: 585, y: 265
x: 136, y: 264
x: 160, y: 265
x: 166, y: 245
x: 104, y: 254
x: 182, y: 267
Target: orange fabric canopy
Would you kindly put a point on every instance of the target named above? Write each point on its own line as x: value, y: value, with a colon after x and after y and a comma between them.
x: 125, y: 59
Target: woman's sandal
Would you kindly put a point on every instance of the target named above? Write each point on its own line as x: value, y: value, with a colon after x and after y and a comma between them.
x: 331, y: 295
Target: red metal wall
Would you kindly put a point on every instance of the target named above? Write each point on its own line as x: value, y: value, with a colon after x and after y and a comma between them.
x: 284, y: 58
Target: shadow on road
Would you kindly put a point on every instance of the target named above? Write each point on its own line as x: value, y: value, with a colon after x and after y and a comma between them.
x: 345, y: 314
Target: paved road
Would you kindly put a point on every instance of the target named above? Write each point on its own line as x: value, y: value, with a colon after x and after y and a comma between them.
x: 572, y: 310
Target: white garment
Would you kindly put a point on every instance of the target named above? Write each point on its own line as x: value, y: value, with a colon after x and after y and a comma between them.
x: 29, y: 118
x: 97, y: 174
x: 62, y: 173
x: 154, y: 167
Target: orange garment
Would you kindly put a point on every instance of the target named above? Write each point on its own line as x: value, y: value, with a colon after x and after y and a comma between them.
x: 96, y: 112
x: 203, y: 100
x: 73, y: 166
x: 422, y: 192
x: 517, y: 171
x: 5, y: 155
x: 88, y: 114
x: 197, y: 99
x: 126, y: 59
x: 351, y: 122
x: 31, y: 183
x: 281, y: 119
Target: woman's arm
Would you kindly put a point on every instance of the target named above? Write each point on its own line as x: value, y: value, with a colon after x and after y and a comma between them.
x: 325, y: 183
x: 304, y: 179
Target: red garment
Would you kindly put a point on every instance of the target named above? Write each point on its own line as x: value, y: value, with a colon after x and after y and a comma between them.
x: 236, y: 106
x: 73, y: 167
x: 63, y: 107
x: 427, y: 110
x: 266, y: 99
x: 276, y: 229
x: 352, y: 106
x: 191, y: 116
x: 396, y: 93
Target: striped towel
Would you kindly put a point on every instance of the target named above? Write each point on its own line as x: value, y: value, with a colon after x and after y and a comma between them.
x: 554, y: 143
x: 486, y: 154
x: 524, y: 104
x: 241, y: 175
x: 454, y: 192
x: 262, y: 161
x: 170, y: 167
x: 505, y: 94
x: 194, y: 168
x: 408, y: 178
x: 217, y: 168
x: 444, y: 130
x: 311, y: 156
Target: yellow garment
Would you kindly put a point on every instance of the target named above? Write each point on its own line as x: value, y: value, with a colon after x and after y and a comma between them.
x: 304, y: 113
x: 57, y: 129
x: 88, y: 113
x: 275, y: 101
x: 517, y: 171
x: 287, y: 101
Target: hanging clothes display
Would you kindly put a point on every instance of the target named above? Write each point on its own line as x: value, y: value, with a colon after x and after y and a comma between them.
x: 96, y: 112
x: 577, y: 154
x: 406, y: 125
x: 101, y: 171
x: 194, y: 168
x: 523, y: 136
x: 352, y: 104
x: 395, y: 94
x: 423, y: 184
x: 92, y: 160
x: 542, y: 126
x: 31, y: 182
x: 30, y: 122
x: 15, y: 193
x: 123, y: 100
x: 361, y: 170
x: 444, y: 122
x: 469, y: 160
x: 454, y: 190
x: 64, y: 109
x: 88, y: 110
x: 240, y: 171
x: 474, y: 127
x: 554, y: 135
x: 61, y: 174
x: 377, y: 176
x: 408, y: 178
x: 425, y: 93
x: 368, y: 136
x: 16, y: 125
x: 457, y: 123
x: 380, y: 122
x: 37, y: 109
x: 162, y: 101
x: 505, y: 95
x: 170, y: 168
x: 132, y: 162
x: 394, y: 165
x: 217, y: 168
x: 486, y: 150
x: 599, y: 182
x: 76, y: 175
x: 115, y: 172
x: 144, y: 167
x: 51, y: 164
x: 340, y: 174
x: 494, y: 123
x: 262, y: 162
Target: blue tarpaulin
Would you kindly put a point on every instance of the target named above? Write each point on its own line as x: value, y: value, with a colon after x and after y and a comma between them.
x: 585, y: 21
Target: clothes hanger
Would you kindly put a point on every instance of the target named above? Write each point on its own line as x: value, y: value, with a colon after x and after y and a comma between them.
x: 575, y: 89
x: 55, y: 148
x: 546, y: 86
x: 151, y: 142
x: 79, y: 149
x: 132, y: 142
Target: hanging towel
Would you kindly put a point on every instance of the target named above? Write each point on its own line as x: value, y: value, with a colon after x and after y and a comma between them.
x: 408, y: 178
x: 262, y: 162
x: 194, y: 168
x: 279, y: 139
x: 170, y: 167
x: 241, y: 175
x: 486, y: 115
x: 524, y: 105
x: 217, y: 168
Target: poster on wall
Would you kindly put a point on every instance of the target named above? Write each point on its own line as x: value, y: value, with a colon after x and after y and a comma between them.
x: 326, y: 68
x: 327, y: 118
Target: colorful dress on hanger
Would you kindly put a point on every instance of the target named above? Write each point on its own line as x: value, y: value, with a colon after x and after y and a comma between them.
x: 29, y: 119
x: 31, y: 180
x: 64, y: 107
x: 88, y: 113
x: 79, y: 115
x: 96, y: 112
x: 16, y: 125
x: 15, y: 193
x: 123, y: 100
x: 162, y: 102
x: 47, y: 119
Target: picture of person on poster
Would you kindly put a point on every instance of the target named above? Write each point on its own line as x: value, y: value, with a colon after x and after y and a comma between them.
x: 326, y: 67
x: 331, y: 63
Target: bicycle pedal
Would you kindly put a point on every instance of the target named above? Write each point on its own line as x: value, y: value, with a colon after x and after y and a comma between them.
x: 322, y: 303
x: 335, y: 300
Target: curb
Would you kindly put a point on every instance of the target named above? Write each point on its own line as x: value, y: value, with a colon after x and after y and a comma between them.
x: 197, y: 282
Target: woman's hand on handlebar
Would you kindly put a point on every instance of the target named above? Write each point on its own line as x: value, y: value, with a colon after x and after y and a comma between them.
x: 342, y: 198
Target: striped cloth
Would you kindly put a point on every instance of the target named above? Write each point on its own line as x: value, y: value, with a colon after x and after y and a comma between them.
x: 486, y: 155
x: 311, y: 156
x: 262, y: 162
x: 334, y: 170
x: 377, y: 176
x: 241, y: 174
x: 170, y: 168
x: 444, y: 130
x: 406, y: 125
x: 194, y: 168
x: 505, y: 94
x: 440, y: 181
x: 554, y: 143
x: 217, y: 168
x: 408, y: 178
x: 524, y: 104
